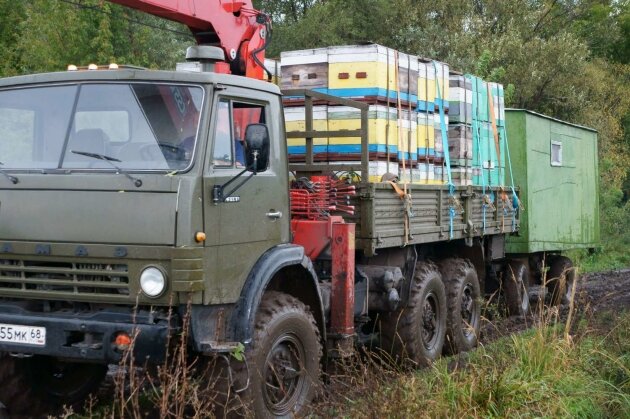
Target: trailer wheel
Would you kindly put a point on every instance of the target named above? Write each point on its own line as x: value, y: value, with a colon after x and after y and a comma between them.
x: 281, y: 375
x: 415, y: 334
x: 516, y: 288
x: 560, y: 280
x: 463, y: 296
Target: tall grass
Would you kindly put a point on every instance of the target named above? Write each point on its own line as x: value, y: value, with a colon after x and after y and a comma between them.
x: 579, y: 367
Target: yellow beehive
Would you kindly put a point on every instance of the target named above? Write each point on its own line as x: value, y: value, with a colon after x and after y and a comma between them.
x: 383, y: 130
x: 426, y: 85
x: 442, y: 79
x: 364, y: 72
x: 426, y: 136
x: 294, y: 118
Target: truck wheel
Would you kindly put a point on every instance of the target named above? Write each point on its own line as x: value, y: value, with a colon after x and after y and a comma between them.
x: 15, y: 388
x: 463, y: 297
x: 560, y: 280
x: 62, y: 382
x: 39, y: 385
x: 416, y: 332
x: 283, y: 359
x: 516, y: 288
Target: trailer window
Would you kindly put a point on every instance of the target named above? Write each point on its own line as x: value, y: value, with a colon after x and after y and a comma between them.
x: 556, y: 153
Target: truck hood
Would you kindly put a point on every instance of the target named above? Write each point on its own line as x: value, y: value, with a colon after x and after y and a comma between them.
x: 89, y: 208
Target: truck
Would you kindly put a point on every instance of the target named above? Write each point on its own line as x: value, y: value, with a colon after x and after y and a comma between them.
x: 133, y: 199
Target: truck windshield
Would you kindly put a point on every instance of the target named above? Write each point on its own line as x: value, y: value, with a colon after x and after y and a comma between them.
x: 144, y: 126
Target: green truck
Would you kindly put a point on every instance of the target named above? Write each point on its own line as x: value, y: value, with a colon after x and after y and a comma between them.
x: 126, y: 204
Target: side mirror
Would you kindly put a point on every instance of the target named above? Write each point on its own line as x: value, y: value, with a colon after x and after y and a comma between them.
x: 257, y: 147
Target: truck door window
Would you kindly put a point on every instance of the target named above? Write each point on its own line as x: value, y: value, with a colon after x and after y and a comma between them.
x: 233, y: 117
x: 223, y: 156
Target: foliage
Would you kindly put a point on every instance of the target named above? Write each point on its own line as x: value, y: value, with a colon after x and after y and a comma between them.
x: 44, y: 35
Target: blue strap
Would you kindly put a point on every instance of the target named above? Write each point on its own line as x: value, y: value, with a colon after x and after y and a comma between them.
x: 447, y: 157
x: 477, y: 139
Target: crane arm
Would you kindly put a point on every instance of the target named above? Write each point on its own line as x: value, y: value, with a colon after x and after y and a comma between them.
x: 240, y: 30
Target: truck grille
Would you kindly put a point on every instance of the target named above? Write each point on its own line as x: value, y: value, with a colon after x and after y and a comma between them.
x: 64, y: 277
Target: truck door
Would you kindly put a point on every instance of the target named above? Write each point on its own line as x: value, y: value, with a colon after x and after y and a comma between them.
x: 256, y: 216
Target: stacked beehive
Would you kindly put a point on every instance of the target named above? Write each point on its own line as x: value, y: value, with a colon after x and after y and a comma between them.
x: 433, y: 91
x: 476, y: 131
x: 417, y: 108
x: 385, y: 79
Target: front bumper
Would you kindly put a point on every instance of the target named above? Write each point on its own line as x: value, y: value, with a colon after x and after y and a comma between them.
x: 89, y: 336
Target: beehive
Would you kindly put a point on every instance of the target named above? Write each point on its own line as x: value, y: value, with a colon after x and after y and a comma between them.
x: 460, y: 144
x: 442, y: 84
x: 426, y: 137
x: 462, y: 176
x: 360, y: 72
x: 426, y: 86
x: 294, y: 118
x: 479, y: 98
x: 437, y: 128
x: 488, y: 155
x: 383, y: 129
x: 498, y: 101
x: 460, y: 99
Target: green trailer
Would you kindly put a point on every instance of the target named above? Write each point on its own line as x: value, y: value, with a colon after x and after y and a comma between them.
x: 555, y: 167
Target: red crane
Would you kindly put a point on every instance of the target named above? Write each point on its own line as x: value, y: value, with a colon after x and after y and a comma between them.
x: 240, y: 30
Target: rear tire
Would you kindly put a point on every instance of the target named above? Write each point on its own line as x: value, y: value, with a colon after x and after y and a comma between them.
x: 516, y: 288
x: 463, y: 318
x: 560, y: 280
x: 415, y: 334
x: 283, y: 359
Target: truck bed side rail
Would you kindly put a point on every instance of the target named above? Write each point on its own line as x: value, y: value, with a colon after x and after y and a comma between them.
x: 309, y: 166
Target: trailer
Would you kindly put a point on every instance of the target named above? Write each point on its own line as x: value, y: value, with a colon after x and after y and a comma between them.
x: 555, y: 165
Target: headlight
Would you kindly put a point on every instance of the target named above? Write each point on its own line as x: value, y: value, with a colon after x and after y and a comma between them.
x: 152, y: 282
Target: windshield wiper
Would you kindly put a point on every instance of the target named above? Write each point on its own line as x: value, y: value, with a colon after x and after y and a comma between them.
x: 110, y: 161
x: 13, y: 179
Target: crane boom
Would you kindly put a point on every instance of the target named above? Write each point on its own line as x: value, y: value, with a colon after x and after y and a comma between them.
x: 240, y: 30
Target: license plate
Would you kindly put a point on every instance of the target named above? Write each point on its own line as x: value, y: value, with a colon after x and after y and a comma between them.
x: 27, y: 335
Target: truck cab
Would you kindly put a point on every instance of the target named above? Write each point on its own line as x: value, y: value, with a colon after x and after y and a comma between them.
x: 125, y: 192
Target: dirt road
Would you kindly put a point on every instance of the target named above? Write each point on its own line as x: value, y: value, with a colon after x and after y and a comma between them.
x: 596, y: 293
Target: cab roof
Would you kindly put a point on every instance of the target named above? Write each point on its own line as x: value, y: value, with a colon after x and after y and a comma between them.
x: 135, y: 75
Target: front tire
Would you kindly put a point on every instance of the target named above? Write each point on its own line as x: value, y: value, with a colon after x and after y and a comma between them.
x: 415, y: 334
x: 463, y: 319
x: 40, y: 385
x: 283, y: 360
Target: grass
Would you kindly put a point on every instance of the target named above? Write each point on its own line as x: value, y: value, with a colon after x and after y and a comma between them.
x: 550, y: 371
x: 574, y: 368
